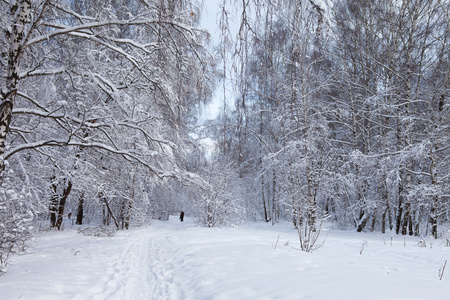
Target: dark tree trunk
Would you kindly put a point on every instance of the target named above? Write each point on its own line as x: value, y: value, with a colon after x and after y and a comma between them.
x: 62, y: 204
x: 274, y: 202
x: 53, y: 203
x: 105, y: 212
x: 398, y: 220
x: 266, y: 218
x: 433, y: 222
x: 80, y: 209
x: 385, y: 200
x: 407, y: 221
x: 363, y: 218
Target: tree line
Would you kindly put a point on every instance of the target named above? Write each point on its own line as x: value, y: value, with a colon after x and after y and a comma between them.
x: 341, y: 110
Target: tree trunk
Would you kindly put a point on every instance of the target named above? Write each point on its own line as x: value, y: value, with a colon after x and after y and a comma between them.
x: 433, y: 220
x: 5, y: 120
x: 407, y: 220
x: 390, y: 215
x: 266, y: 218
x: 435, y: 199
x: 53, y: 203
x: 16, y: 33
x: 111, y: 214
x: 398, y: 219
x: 274, y: 201
x: 62, y: 204
x: 384, y: 200
x: 416, y: 219
x: 374, y: 220
x: 80, y: 209
x: 364, y: 217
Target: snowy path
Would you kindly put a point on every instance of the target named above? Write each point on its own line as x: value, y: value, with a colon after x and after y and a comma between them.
x: 162, y: 268
x: 175, y: 261
x: 146, y: 269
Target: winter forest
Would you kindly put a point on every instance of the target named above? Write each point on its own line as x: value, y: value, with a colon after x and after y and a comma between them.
x: 333, y: 111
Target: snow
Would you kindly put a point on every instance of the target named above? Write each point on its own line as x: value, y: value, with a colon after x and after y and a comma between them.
x: 174, y: 260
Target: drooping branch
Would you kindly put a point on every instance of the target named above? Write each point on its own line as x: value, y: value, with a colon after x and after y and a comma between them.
x: 59, y: 143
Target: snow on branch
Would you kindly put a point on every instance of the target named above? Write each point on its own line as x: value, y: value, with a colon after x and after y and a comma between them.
x: 62, y: 30
x: 51, y: 114
x: 147, y: 135
x: 60, y: 143
x: 143, y: 47
x: 41, y: 73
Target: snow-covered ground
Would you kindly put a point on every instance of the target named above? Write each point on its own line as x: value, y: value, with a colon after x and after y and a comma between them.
x: 173, y: 260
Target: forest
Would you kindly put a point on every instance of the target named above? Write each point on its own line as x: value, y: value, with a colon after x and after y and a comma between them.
x: 330, y: 111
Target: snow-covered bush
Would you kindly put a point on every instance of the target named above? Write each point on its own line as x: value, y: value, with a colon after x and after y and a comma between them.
x: 308, y: 228
x: 15, y: 225
x: 102, y: 231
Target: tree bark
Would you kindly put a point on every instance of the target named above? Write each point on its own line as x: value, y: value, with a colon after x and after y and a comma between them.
x: 53, y: 203
x: 264, y: 199
x: 111, y: 214
x: 274, y: 201
x: 16, y: 34
x: 398, y: 218
x: 364, y: 217
x: 62, y: 204
x: 80, y: 209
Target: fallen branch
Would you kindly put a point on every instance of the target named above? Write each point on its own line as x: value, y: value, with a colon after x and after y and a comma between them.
x: 442, y: 269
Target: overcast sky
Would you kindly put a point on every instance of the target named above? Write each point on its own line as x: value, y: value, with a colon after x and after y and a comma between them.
x: 209, y: 18
x: 209, y: 21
